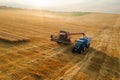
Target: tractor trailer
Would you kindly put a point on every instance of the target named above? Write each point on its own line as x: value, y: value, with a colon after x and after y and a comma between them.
x: 81, y: 45
x: 64, y: 38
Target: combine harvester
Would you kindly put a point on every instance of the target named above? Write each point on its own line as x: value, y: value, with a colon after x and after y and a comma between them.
x: 64, y: 38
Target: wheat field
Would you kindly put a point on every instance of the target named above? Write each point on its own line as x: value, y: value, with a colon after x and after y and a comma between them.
x: 41, y: 59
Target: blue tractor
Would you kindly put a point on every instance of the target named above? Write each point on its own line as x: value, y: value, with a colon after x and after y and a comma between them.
x: 81, y: 45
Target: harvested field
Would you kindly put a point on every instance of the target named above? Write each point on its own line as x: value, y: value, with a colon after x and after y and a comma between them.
x: 41, y: 59
x: 8, y: 37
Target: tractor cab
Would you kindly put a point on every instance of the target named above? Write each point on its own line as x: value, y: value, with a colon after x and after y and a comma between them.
x: 81, y: 45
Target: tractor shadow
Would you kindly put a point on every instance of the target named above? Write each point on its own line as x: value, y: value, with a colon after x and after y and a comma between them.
x: 99, y: 64
x: 107, y: 67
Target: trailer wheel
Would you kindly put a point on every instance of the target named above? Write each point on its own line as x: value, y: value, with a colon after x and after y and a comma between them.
x: 73, y: 50
x: 83, y: 49
x: 80, y: 51
x: 88, y: 45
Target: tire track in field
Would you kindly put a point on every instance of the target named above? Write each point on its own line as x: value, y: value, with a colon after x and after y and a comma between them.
x: 73, y: 71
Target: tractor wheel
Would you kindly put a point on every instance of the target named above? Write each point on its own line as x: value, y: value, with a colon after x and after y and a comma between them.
x: 83, y: 49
